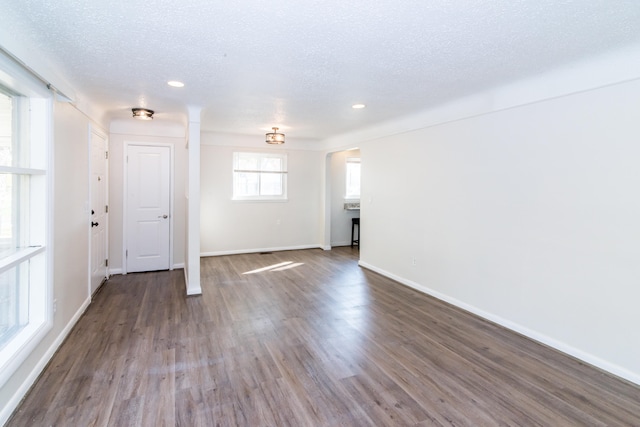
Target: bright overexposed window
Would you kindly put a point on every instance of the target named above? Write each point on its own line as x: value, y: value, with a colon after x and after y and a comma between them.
x: 353, y: 178
x: 25, y: 300
x: 259, y: 176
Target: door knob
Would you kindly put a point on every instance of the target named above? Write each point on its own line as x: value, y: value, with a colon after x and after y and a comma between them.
x: 163, y: 216
x: 94, y: 224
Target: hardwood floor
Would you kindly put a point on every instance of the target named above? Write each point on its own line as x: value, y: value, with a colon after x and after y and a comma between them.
x: 312, y: 341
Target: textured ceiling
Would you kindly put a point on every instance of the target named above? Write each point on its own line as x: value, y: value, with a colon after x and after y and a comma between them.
x: 300, y: 65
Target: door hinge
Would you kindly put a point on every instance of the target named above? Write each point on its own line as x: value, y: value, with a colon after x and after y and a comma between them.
x: 126, y: 253
x: 106, y: 154
x: 106, y: 263
x: 106, y: 208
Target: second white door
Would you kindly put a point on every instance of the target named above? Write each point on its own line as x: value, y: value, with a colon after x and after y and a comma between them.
x: 148, y: 208
x: 99, y: 212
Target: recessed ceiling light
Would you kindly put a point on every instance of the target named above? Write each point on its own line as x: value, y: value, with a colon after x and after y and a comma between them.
x: 358, y: 106
x: 175, y: 83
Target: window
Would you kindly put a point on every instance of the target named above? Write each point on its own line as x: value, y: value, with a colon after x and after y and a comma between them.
x: 353, y: 178
x: 259, y: 176
x: 25, y: 301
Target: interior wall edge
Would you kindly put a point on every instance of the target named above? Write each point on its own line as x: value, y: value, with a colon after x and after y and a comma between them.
x: 605, y: 365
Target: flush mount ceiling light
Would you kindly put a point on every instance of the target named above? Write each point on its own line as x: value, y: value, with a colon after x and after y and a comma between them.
x: 142, y: 113
x: 275, y: 137
x: 358, y: 106
x: 175, y: 83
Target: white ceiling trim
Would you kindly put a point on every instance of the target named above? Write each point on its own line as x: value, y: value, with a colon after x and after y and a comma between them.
x: 622, y: 65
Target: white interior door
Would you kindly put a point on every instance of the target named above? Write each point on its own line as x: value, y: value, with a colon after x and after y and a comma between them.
x: 98, y: 268
x: 148, y: 208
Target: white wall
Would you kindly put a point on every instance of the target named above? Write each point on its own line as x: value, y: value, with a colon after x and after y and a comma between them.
x: 244, y: 226
x: 528, y: 216
x: 340, y: 218
x: 70, y: 245
x: 147, y: 132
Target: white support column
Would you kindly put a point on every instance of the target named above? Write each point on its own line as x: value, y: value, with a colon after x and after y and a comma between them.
x: 326, y: 237
x: 192, y: 257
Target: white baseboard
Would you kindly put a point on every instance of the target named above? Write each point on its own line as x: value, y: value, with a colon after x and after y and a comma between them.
x: 534, y: 335
x: 192, y: 292
x: 114, y: 271
x: 12, y: 404
x: 251, y: 251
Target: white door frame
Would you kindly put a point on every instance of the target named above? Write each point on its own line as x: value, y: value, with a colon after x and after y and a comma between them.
x: 125, y: 197
x: 95, y: 130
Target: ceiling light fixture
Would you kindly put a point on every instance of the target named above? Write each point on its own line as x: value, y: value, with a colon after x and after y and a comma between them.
x: 142, y: 113
x: 175, y: 83
x: 275, y: 137
x: 358, y: 106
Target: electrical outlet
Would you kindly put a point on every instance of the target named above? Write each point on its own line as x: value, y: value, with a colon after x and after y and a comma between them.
x: 413, y: 261
x: 55, y: 305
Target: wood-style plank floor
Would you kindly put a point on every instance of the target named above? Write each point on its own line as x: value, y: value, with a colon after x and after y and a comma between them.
x: 306, y: 338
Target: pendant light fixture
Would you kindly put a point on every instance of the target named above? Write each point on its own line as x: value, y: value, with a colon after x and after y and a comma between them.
x: 275, y: 137
x: 142, y: 113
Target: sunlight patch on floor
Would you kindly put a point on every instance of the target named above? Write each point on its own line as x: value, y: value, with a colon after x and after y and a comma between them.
x: 287, y: 267
x: 276, y: 267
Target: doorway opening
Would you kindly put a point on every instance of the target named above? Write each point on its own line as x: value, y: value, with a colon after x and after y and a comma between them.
x: 342, y: 198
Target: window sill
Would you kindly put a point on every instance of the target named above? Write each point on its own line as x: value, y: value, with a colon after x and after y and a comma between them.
x: 18, y: 256
x: 352, y: 206
x: 20, y: 347
x: 260, y: 200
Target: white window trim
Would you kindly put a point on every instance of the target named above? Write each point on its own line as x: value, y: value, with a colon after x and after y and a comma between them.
x: 266, y: 198
x: 17, y: 78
